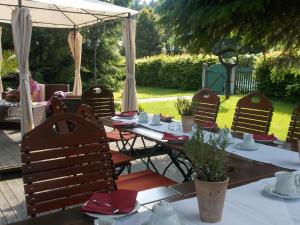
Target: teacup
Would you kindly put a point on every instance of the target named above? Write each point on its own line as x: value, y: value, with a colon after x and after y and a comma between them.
x: 287, y: 183
x: 143, y: 117
x: 248, y: 140
x: 155, y: 119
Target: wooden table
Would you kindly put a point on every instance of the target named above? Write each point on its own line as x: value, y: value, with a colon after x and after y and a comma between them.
x: 241, y: 170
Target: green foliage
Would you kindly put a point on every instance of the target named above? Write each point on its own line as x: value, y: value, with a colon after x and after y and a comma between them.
x: 208, y: 155
x: 179, y: 71
x: 256, y: 24
x: 184, y: 106
x: 147, y: 34
x: 110, y: 66
x: 284, y: 84
x: 9, y: 63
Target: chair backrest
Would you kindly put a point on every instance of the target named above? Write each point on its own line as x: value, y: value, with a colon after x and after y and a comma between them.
x: 56, y: 105
x: 51, y: 88
x: 206, y: 106
x: 253, y: 114
x: 100, y: 99
x: 294, y: 129
x: 60, y: 170
x: 87, y: 113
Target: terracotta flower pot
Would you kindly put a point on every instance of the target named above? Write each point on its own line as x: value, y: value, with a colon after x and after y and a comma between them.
x: 187, y: 123
x: 211, y: 197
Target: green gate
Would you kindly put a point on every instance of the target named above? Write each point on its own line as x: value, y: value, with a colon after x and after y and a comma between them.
x: 215, y: 78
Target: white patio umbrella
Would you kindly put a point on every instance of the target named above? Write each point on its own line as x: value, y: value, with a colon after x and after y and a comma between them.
x: 129, y: 101
x: 75, y: 43
x: 1, y: 86
x: 62, y: 14
x: 22, y: 29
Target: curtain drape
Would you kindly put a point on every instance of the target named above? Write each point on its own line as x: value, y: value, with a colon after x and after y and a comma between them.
x: 1, y: 86
x: 75, y: 43
x: 22, y: 28
x: 129, y: 101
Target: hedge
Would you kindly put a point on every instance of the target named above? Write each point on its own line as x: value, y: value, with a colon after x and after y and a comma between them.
x: 179, y: 71
x: 286, y: 87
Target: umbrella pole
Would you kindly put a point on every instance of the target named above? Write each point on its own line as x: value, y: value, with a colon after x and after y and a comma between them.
x: 20, y: 3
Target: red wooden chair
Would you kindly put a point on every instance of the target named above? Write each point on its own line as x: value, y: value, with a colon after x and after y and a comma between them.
x: 61, y: 170
x: 294, y: 129
x: 253, y: 114
x: 206, y: 106
x: 120, y: 160
x: 101, y: 101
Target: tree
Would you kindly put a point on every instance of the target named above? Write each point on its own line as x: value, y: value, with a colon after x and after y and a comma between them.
x: 147, y: 34
x: 201, y: 24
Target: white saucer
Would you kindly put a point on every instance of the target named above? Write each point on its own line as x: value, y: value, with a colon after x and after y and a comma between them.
x: 155, y: 124
x: 103, y: 216
x: 143, y: 121
x: 248, y: 148
x: 270, y: 189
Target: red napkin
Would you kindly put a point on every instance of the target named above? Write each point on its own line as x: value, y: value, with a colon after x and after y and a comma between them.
x: 264, y: 137
x: 126, y: 114
x: 171, y: 137
x: 210, y: 125
x: 124, y: 200
x: 122, y: 124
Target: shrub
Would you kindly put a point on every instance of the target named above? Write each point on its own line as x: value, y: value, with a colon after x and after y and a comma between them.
x: 179, y: 71
x: 284, y: 86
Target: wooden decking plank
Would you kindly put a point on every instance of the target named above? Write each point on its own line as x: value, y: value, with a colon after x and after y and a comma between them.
x: 2, y: 219
x: 13, y: 201
x: 7, y: 211
x: 18, y: 191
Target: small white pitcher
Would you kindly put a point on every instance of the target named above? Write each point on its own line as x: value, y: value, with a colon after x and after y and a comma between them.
x: 287, y: 183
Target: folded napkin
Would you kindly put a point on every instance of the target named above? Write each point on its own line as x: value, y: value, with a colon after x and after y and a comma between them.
x: 122, y: 124
x: 174, y: 138
x: 209, y: 125
x: 264, y: 137
x: 166, y: 119
x: 126, y: 114
x: 123, y: 200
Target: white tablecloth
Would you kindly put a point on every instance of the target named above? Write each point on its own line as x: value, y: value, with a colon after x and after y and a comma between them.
x: 245, y: 205
x: 266, y: 154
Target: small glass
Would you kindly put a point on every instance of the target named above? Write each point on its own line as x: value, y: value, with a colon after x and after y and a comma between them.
x: 175, y: 126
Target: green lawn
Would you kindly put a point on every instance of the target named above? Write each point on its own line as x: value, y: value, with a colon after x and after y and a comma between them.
x: 152, y: 92
x: 280, y: 121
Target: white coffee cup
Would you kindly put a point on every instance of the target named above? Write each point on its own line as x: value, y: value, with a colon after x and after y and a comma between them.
x: 155, y: 119
x: 143, y: 117
x: 248, y: 140
x: 287, y: 183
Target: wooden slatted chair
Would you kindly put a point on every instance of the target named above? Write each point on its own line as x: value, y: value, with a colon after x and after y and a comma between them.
x: 294, y: 129
x: 206, y: 106
x: 57, y: 106
x: 101, y: 100
x: 120, y: 160
x: 61, y: 170
x: 253, y: 114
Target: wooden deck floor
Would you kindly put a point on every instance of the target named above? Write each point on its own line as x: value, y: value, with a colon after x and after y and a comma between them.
x: 9, y: 149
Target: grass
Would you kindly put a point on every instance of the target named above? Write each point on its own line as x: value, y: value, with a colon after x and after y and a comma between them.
x: 152, y: 92
x: 280, y: 121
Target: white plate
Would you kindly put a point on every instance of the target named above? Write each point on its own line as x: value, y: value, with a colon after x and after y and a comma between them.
x: 103, y: 216
x: 271, y: 190
x: 248, y: 148
x: 155, y: 124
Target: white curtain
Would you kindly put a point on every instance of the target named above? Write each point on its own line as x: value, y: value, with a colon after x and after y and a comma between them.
x: 75, y: 43
x: 22, y: 28
x: 129, y: 101
x: 1, y: 86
